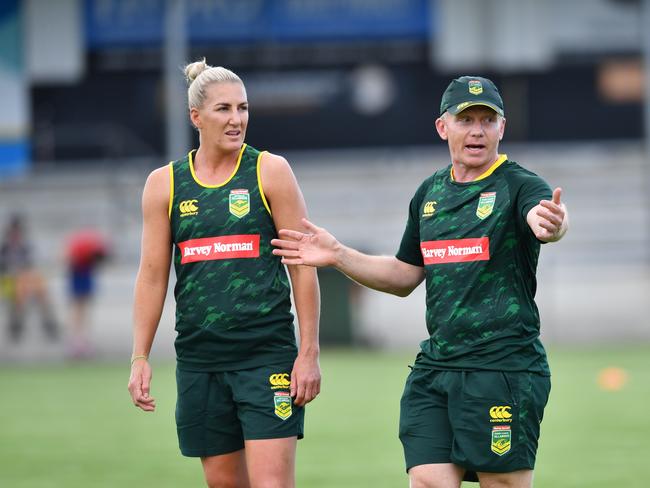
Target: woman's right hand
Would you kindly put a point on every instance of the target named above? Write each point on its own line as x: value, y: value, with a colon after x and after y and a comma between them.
x: 139, y: 384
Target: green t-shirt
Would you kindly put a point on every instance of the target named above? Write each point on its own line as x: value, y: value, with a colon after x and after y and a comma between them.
x: 480, y: 258
x: 233, y: 308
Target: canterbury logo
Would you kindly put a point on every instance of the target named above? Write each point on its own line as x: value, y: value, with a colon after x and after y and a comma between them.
x: 429, y: 208
x: 280, y: 380
x: 188, y: 207
x: 501, y: 414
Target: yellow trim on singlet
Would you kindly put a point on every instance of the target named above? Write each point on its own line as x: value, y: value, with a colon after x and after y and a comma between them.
x: 259, y: 182
x: 171, y: 188
x: 191, y: 160
x: 500, y: 160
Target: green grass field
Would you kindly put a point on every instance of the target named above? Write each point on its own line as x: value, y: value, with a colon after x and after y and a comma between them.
x: 74, y: 426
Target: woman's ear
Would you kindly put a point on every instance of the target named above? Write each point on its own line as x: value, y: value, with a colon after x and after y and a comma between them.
x: 195, y: 117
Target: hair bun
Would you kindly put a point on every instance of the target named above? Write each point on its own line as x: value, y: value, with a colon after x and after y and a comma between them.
x: 200, y: 75
x: 193, y: 70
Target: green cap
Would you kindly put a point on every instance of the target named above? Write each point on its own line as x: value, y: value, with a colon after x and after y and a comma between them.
x: 468, y: 91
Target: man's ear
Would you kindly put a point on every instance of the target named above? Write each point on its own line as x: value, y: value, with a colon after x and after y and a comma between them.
x: 441, y: 127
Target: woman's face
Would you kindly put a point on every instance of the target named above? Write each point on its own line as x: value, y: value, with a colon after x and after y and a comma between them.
x: 223, y: 118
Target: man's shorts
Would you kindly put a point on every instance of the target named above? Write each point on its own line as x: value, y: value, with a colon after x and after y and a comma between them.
x: 216, y: 412
x: 483, y: 421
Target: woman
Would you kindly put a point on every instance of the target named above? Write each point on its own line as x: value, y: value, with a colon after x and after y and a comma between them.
x: 241, y: 382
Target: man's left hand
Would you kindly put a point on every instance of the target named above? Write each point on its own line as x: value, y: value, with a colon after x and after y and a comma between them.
x: 549, y: 220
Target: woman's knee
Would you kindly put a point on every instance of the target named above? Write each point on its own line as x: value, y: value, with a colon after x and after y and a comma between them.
x: 435, y: 476
x: 225, y: 480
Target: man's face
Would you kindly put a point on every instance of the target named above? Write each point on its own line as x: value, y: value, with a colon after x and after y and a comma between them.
x: 223, y: 118
x: 473, y: 135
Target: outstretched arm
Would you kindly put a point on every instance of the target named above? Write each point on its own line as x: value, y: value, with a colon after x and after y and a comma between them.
x: 320, y: 248
x: 549, y: 220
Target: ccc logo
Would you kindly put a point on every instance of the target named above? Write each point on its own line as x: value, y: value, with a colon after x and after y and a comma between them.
x: 280, y: 380
x: 500, y: 413
x: 429, y: 208
x: 188, y: 206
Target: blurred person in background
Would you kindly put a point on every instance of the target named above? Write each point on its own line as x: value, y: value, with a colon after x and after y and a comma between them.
x: 86, y: 249
x: 474, y: 400
x: 22, y: 282
x: 242, y: 382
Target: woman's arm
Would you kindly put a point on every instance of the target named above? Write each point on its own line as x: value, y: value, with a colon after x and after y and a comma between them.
x: 151, y: 282
x: 288, y: 209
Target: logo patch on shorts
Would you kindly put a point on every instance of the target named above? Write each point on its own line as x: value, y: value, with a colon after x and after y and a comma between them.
x: 501, y: 439
x: 280, y: 380
x: 500, y: 413
x: 282, y: 401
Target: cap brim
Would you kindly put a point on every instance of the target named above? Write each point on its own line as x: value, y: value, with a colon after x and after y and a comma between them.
x: 459, y: 107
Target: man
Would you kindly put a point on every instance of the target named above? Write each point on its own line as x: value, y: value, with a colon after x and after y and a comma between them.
x: 473, y: 403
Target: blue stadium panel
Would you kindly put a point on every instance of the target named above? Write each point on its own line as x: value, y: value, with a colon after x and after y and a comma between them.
x: 125, y: 23
x: 14, y: 157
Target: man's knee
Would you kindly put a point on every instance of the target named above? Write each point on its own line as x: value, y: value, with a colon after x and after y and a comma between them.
x: 421, y: 481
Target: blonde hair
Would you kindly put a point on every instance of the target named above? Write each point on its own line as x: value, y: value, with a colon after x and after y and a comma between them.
x: 200, y: 75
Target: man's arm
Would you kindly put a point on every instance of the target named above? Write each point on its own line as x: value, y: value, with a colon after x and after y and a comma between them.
x: 549, y: 220
x: 151, y: 283
x: 288, y: 208
x: 320, y: 248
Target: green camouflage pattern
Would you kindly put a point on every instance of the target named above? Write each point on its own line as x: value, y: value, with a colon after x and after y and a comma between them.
x: 231, y: 313
x: 480, y: 314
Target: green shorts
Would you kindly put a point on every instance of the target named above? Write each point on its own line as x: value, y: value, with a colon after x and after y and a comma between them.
x: 216, y: 412
x: 483, y: 421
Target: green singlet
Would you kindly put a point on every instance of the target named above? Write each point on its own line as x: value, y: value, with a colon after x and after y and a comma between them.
x: 480, y: 258
x: 233, y: 308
